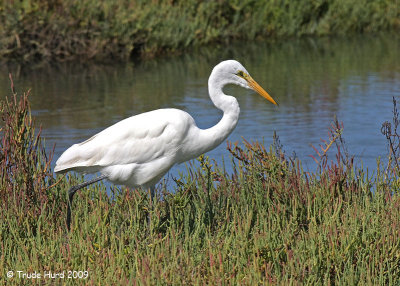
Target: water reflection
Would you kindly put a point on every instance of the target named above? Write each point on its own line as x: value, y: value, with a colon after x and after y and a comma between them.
x: 312, y: 79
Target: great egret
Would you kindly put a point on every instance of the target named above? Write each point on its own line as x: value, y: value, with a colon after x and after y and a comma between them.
x: 139, y: 151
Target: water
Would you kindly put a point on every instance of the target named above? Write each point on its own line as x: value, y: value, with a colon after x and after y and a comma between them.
x: 311, y: 79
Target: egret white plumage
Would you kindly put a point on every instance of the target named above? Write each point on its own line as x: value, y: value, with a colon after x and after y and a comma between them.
x: 139, y: 151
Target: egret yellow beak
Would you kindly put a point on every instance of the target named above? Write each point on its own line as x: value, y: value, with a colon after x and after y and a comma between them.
x: 254, y: 85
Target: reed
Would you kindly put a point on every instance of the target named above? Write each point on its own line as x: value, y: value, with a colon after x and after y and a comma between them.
x: 267, y: 222
x: 112, y: 30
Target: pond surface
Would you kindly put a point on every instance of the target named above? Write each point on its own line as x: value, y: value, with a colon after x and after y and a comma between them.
x: 311, y: 79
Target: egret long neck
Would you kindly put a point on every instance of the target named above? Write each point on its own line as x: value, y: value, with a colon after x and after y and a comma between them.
x: 212, y: 137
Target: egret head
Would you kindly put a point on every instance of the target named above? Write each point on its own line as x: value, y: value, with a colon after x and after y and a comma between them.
x: 233, y: 72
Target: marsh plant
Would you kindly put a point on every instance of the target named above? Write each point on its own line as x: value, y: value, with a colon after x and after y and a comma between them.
x: 266, y: 222
x: 112, y: 30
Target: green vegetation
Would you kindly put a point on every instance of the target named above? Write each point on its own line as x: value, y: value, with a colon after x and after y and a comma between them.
x: 268, y: 222
x: 117, y: 30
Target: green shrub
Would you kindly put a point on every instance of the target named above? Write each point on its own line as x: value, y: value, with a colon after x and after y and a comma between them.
x: 112, y: 30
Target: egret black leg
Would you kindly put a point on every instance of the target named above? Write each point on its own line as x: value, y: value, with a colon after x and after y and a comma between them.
x: 152, y: 194
x: 72, y: 192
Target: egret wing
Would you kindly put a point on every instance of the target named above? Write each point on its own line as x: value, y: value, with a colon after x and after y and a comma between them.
x: 138, y: 139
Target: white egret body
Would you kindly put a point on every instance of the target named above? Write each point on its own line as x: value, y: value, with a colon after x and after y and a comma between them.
x: 138, y: 151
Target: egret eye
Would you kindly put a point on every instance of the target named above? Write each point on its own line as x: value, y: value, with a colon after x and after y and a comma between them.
x: 240, y: 73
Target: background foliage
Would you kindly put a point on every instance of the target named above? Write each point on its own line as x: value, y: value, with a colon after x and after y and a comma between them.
x: 120, y: 29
